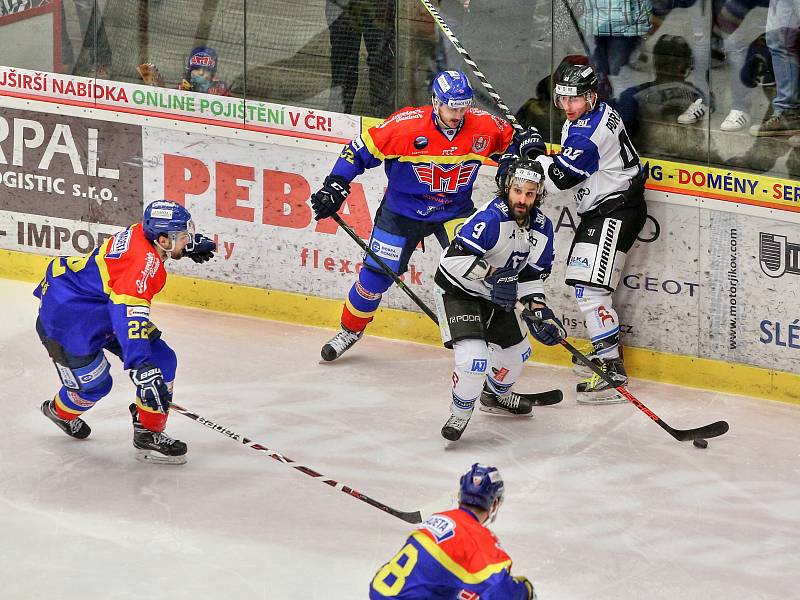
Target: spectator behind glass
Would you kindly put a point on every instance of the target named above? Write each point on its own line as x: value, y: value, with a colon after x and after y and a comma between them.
x: 94, y: 54
x: 694, y: 12
x: 348, y: 22
x: 537, y: 111
x: 200, y: 75
x: 668, y: 94
x: 782, y: 40
x: 617, y: 27
x: 750, y: 63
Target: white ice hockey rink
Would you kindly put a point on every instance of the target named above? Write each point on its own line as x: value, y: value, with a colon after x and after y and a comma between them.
x: 600, y: 501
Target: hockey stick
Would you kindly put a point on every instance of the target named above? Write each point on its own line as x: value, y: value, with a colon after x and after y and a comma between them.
x: 474, y: 67
x: 577, y: 27
x: 385, y: 267
x: 409, y: 517
x: 682, y: 435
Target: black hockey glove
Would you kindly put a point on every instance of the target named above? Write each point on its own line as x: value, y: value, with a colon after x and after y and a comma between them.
x: 329, y: 199
x: 150, y: 387
x: 503, y: 163
x: 528, y: 586
x: 544, y: 325
x: 530, y: 143
x: 202, y: 250
x: 504, y: 287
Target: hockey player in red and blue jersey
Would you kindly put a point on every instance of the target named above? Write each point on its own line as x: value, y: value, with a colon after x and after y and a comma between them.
x: 101, y: 302
x: 453, y: 555
x: 431, y: 156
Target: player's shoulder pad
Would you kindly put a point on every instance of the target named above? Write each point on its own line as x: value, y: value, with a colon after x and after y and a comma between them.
x: 541, y: 222
x: 497, y: 209
x: 479, y: 114
x: 440, y: 526
x: 399, y: 118
x: 120, y: 243
x: 587, y: 124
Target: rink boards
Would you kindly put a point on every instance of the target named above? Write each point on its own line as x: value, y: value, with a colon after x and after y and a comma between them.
x: 708, y: 278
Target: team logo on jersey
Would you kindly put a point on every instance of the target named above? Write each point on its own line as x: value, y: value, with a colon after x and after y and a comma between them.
x: 149, y: 271
x: 581, y: 123
x: 480, y: 143
x: 445, y: 178
x: 440, y: 527
x: 420, y: 142
x: 120, y: 243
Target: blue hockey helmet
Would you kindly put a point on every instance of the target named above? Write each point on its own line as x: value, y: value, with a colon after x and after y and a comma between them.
x: 165, y: 217
x: 453, y: 89
x: 482, y: 486
x: 202, y: 57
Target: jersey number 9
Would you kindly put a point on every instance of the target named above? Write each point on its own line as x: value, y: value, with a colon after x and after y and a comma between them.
x: 400, y: 572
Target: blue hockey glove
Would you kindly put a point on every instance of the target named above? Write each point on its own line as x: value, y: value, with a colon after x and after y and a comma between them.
x: 202, y: 249
x: 544, y: 325
x: 329, y: 199
x: 150, y: 387
x: 503, y: 163
x: 504, y: 287
x: 530, y: 143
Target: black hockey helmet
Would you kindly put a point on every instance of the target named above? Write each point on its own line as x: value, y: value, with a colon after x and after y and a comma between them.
x: 573, y: 80
x: 524, y: 169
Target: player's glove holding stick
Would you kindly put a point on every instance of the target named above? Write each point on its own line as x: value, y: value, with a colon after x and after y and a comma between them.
x: 530, y: 143
x: 329, y: 199
x: 544, y: 325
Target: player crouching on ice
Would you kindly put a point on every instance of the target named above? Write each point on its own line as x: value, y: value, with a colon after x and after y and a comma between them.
x: 453, y: 554
x: 502, y: 254
x: 101, y: 301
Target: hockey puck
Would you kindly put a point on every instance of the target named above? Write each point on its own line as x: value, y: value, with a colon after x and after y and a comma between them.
x: 700, y: 443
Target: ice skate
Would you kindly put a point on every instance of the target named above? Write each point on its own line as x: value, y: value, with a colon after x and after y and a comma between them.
x: 581, y: 369
x: 510, y: 404
x: 76, y: 428
x: 154, y: 447
x: 595, y: 389
x: 454, y: 427
x: 340, y: 343
x: 578, y: 367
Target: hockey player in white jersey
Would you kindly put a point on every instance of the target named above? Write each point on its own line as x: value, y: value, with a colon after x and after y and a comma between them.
x: 601, y: 167
x: 502, y: 254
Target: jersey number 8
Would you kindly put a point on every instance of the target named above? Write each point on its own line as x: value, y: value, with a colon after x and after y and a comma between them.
x: 400, y: 572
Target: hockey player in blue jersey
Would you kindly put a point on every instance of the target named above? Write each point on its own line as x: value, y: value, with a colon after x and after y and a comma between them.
x: 100, y: 303
x: 501, y: 255
x: 599, y: 164
x: 453, y: 555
